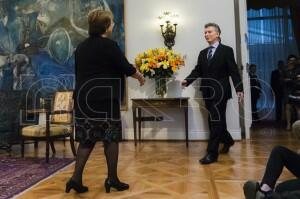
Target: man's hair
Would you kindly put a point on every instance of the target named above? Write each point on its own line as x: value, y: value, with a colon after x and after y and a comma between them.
x: 99, y: 21
x: 216, y: 26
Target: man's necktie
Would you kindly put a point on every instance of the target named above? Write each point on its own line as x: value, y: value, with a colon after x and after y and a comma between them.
x: 210, y: 54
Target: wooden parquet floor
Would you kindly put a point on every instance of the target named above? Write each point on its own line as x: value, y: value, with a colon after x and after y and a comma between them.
x: 166, y: 170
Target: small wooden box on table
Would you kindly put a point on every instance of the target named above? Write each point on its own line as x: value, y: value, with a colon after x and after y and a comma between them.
x: 138, y: 104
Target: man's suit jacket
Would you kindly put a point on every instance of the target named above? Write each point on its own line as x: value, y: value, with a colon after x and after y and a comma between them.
x: 215, y: 73
x: 276, y: 82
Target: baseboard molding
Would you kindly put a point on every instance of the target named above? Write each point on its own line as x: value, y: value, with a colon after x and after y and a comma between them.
x: 149, y: 134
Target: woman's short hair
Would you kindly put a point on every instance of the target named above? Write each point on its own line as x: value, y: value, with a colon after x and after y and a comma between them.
x: 99, y: 21
x: 292, y: 57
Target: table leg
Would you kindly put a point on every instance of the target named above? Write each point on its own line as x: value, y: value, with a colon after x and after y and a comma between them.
x: 134, y: 124
x: 139, y: 122
x: 186, y: 119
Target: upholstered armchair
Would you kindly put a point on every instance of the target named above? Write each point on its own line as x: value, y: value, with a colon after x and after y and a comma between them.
x: 59, y: 123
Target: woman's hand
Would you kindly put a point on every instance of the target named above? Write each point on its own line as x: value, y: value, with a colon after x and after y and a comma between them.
x: 183, y: 83
x: 139, y: 77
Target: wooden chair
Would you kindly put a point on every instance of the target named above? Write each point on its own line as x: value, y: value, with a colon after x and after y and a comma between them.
x: 59, y: 123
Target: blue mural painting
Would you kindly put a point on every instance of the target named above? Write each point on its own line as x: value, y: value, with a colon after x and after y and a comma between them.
x: 38, y: 39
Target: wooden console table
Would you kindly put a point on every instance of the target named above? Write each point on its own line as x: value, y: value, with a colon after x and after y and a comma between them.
x: 142, y: 103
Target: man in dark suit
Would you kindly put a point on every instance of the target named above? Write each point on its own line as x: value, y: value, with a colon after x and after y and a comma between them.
x: 277, y: 87
x: 215, y: 65
x: 255, y: 88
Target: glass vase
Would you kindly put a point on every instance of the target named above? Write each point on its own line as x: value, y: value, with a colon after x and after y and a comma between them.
x: 161, y: 87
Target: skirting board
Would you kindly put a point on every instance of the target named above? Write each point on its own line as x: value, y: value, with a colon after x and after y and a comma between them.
x: 148, y: 134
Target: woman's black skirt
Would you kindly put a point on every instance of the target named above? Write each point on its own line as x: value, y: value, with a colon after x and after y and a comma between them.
x: 98, y: 120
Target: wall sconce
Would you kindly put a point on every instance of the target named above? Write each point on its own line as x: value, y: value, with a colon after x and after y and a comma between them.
x: 168, y: 24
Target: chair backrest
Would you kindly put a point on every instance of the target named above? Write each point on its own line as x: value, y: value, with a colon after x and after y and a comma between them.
x: 63, y: 101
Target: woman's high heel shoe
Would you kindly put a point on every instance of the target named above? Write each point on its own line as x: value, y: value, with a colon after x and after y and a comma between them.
x: 71, y: 184
x: 119, y: 186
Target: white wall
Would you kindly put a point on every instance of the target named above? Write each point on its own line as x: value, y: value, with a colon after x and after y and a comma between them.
x: 142, y: 32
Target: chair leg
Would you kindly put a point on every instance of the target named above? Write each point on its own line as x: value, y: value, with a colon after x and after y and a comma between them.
x: 36, y: 144
x: 22, y: 147
x: 9, y: 149
x: 72, y: 145
x: 47, y: 151
x: 52, y: 147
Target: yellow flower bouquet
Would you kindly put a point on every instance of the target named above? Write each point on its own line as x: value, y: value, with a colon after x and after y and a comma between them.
x: 159, y: 64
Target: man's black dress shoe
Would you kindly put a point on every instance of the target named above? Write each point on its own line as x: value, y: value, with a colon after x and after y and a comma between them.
x: 209, y: 158
x: 226, y: 148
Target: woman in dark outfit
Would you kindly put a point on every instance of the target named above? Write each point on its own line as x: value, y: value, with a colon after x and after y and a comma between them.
x: 288, y: 76
x: 280, y: 157
x: 100, y: 67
